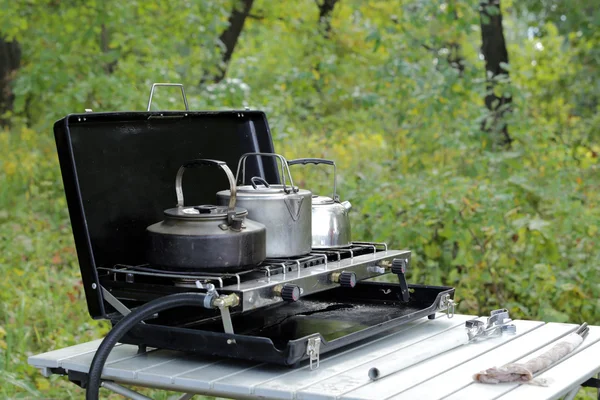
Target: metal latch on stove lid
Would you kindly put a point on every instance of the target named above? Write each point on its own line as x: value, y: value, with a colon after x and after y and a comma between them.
x: 313, y: 348
x: 447, y: 304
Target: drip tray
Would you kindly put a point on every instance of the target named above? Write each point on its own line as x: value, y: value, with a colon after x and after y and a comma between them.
x: 331, y: 320
x: 280, y: 334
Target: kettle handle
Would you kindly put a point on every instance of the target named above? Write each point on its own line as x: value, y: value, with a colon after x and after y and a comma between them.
x: 206, y: 162
x: 284, y: 168
x: 305, y: 161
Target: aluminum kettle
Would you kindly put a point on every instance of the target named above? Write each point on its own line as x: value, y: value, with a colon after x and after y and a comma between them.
x: 284, y: 209
x: 206, y: 237
x: 330, y: 219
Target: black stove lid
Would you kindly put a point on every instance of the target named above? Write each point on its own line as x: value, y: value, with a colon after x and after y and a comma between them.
x: 119, y: 172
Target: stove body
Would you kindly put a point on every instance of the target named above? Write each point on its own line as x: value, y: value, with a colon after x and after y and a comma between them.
x: 118, y: 172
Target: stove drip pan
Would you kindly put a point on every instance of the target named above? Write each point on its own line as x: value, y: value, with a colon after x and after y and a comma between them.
x: 281, y: 334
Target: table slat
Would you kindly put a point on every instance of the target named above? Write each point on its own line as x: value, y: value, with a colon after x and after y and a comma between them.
x: 480, y: 391
x: 461, y: 376
x: 52, y: 359
x: 405, y: 379
x: 285, y: 386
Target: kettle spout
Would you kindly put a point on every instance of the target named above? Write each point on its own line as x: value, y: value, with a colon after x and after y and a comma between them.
x: 346, y: 205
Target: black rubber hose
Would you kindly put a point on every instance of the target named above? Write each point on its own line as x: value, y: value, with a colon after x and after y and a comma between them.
x: 125, y: 325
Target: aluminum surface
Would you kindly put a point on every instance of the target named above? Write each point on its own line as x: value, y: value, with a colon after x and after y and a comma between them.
x: 446, y: 375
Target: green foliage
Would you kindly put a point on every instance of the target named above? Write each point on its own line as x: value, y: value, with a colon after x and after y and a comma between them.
x: 394, y: 95
x: 102, y: 54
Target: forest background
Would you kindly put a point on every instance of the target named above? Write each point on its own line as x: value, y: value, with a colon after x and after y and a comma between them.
x: 466, y: 132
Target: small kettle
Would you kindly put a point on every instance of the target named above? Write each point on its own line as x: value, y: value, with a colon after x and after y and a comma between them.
x: 330, y: 219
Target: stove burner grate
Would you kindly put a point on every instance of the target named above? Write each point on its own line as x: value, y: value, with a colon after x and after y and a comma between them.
x: 270, y: 267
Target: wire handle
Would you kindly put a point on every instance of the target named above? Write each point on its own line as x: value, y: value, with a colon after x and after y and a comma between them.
x: 200, y: 162
x: 284, y: 168
x: 316, y: 161
x: 179, y: 85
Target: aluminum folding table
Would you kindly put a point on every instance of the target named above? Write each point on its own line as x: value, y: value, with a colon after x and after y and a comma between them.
x: 344, y: 373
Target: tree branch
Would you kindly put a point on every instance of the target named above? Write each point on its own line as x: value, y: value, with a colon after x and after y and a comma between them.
x: 230, y: 36
x: 325, y: 9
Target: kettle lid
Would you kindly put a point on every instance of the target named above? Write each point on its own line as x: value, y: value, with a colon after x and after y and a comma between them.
x: 321, y: 200
x: 203, y: 212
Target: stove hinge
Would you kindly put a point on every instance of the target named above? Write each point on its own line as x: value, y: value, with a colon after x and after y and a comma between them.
x: 313, y: 349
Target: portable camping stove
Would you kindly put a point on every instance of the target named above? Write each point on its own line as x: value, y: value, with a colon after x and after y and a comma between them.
x: 117, y: 170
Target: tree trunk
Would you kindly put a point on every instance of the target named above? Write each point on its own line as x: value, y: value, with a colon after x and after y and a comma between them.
x: 10, y: 59
x: 109, y: 67
x: 230, y: 36
x: 493, y: 48
x: 325, y: 9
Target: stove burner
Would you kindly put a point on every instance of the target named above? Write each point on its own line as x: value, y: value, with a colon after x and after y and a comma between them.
x: 262, y: 285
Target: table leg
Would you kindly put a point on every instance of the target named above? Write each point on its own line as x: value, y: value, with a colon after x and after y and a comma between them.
x: 571, y: 395
x: 123, y: 391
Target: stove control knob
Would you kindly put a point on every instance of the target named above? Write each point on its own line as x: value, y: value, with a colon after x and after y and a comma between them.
x: 345, y: 278
x: 348, y: 279
x: 288, y: 292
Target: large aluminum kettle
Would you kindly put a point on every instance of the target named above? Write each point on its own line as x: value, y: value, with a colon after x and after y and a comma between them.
x: 283, y: 208
x: 330, y: 219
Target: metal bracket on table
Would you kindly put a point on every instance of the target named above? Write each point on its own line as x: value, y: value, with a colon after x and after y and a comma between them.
x: 313, y: 349
x: 498, y: 323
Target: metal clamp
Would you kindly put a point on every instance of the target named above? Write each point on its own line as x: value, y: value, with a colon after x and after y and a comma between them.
x: 179, y: 85
x: 313, y: 348
x: 498, y: 323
